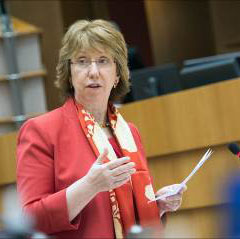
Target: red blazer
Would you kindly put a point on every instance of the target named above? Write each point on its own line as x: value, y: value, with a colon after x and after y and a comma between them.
x: 53, y: 152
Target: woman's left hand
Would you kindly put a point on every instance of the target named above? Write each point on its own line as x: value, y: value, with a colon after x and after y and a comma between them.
x: 171, y: 203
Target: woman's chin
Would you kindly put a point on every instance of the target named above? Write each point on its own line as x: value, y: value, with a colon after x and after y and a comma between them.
x: 93, y: 98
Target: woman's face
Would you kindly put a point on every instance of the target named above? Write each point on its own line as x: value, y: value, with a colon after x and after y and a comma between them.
x: 93, y: 74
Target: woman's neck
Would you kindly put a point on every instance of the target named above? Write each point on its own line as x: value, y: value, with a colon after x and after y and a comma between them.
x: 99, y: 115
x: 98, y: 110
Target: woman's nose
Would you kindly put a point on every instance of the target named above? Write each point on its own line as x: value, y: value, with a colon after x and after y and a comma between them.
x: 93, y: 70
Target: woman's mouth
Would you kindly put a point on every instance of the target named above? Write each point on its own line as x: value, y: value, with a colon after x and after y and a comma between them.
x: 93, y: 86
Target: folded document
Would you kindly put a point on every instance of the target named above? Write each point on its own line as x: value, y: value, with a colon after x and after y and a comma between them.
x: 177, y: 189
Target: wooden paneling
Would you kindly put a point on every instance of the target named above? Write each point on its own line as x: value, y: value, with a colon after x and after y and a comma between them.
x: 176, y: 130
x: 7, y: 158
x: 189, y: 119
x: 179, y: 30
x: 226, y: 25
x: 22, y: 28
x: 126, y: 15
x: 205, y: 222
x: 27, y: 75
x: 207, y: 187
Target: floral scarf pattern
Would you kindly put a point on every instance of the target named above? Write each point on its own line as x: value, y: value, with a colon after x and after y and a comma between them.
x: 133, y: 193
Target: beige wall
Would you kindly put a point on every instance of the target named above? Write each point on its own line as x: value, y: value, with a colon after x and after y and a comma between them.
x: 179, y: 30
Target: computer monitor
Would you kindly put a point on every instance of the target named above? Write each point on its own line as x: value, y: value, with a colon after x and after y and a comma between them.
x: 211, y: 72
x: 154, y: 81
x: 208, y: 59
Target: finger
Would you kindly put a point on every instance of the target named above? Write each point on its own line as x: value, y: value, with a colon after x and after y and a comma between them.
x: 102, y: 156
x: 128, y: 167
x: 117, y: 162
x: 174, y: 197
x: 120, y: 183
x: 176, y: 203
x: 122, y: 176
x: 165, y: 189
x: 174, y: 207
x: 162, y: 212
x: 171, y: 207
x: 183, y: 189
x: 173, y: 203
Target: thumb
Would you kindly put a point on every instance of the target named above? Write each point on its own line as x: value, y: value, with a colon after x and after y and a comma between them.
x: 183, y: 189
x: 102, y: 157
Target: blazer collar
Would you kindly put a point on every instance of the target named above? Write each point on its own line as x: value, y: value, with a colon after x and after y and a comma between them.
x: 69, y: 109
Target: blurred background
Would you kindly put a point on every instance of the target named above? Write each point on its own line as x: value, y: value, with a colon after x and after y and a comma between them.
x: 162, y: 31
x: 184, y: 62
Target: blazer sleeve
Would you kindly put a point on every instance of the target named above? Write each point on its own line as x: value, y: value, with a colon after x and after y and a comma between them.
x: 35, y: 180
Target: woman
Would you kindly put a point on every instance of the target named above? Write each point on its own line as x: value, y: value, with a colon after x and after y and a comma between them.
x: 81, y: 169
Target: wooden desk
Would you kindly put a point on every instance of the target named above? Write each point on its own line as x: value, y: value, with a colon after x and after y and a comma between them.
x: 189, y: 119
x: 176, y: 130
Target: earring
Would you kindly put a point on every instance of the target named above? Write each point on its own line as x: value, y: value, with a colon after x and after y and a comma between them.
x: 116, y: 82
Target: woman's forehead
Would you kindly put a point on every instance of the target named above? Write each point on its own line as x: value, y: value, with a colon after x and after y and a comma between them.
x: 93, y: 52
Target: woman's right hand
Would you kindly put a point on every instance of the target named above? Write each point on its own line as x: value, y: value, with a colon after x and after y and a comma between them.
x: 113, y: 174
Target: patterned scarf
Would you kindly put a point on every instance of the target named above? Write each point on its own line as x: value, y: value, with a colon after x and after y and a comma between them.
x: 133, y: 197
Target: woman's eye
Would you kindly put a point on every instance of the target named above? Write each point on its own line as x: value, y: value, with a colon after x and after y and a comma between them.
x: 82, y: 61
x: 103, y: 61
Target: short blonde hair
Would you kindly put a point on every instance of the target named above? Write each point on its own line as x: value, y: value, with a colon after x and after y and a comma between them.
x: 87, y: 35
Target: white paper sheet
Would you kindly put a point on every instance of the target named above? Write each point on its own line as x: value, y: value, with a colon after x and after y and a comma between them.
x: 205, y: 157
